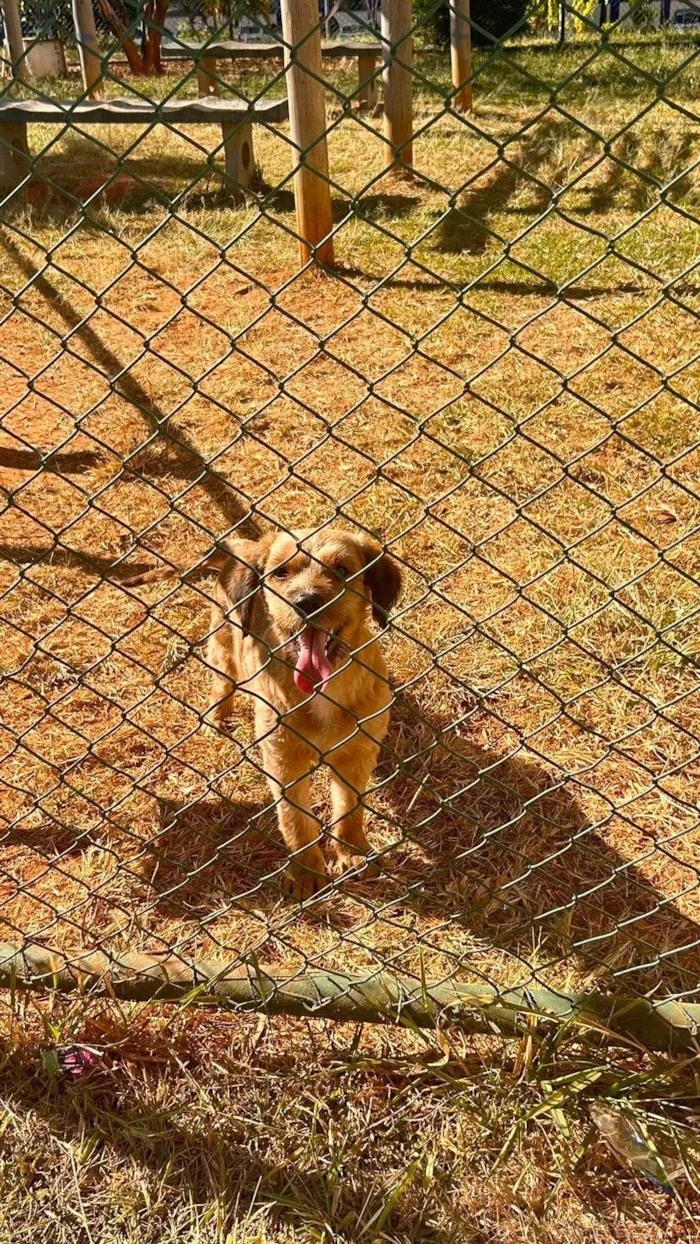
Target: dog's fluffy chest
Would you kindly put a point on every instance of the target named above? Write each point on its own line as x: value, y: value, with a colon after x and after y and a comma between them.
x: 325, y: 712
x: 356, y: 699
x: 327, y: 721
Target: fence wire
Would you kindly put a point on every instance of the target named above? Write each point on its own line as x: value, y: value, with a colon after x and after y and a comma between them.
x: 350, y: 608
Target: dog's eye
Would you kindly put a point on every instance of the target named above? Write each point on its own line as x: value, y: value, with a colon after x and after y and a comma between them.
x: 341, y: 571
x: 280, y: 572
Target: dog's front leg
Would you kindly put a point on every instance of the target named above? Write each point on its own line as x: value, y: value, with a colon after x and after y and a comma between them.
x: 222, y: 666
x: 351, y: 769
x: 288, y: 763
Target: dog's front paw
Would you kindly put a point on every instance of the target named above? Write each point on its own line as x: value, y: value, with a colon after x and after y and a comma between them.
x: 346, y: 860
x: 219, y: 720
x: 305, y: 875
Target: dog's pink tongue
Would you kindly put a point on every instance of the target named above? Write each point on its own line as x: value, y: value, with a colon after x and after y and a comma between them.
x: 312, y: 665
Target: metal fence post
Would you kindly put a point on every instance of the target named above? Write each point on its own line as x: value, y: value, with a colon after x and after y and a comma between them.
x: 307, y: 118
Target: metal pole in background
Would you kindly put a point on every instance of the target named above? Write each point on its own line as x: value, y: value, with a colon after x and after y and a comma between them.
x: 561, y: 33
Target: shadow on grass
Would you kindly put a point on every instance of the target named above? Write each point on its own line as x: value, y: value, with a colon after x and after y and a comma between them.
x: 636, y: 173
x: 369, y: 206
x: 83, y: 170
x: 466, y: 227
x: 78, y: 166
x: 638, y: 170
x: 59, y: 463
x: 215, y: 852
x: 159, y: 1161
x: 30, y: 555
x: 525, y: 289
x: 500, y: 848
x: 230, y: 504
x: 509, y: 854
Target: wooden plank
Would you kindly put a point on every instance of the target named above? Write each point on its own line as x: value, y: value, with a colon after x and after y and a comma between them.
x: 236, y: 50
x: 142, y: 112
x: 307, y: 115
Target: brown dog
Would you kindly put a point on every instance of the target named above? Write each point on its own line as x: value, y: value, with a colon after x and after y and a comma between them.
x: 290, y: 628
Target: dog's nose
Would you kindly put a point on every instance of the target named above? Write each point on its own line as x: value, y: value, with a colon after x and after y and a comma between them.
x: 309, y: 603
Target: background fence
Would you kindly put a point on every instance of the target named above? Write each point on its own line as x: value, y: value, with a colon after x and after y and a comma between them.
x: 465, y: 327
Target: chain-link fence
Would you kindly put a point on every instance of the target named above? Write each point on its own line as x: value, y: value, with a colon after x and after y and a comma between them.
x: 350, y: 602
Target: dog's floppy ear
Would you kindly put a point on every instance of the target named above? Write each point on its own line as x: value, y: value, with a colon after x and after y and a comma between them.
x: 242, y: 575
x: 382, y: 577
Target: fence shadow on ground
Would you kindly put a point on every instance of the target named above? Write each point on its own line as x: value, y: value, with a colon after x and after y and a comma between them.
x: 512, y: 856
x: 465, y: 227
x: 499, y: 847
x: 231, y: 507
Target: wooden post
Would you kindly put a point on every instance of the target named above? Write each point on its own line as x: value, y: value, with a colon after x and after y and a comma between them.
x: 307, y: 120
x: 398, y: 84
x: 238, y: 154
x: 14, y: 154
x: 366, y: 65
x: 15, y: 40
x: 461, y: 55
x: 206, y: 76
x: 88, y: 47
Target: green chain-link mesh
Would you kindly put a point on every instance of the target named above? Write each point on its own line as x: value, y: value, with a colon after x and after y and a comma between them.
x: 497, y: 379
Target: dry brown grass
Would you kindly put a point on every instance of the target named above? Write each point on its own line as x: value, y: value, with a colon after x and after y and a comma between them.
x: 537, y: 804
x: 213, y: 1128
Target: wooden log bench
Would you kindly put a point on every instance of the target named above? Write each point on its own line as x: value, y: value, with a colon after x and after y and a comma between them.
x: 205, y: 60
x: 236, y: 118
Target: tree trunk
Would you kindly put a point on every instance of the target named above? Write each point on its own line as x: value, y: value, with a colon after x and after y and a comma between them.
x: 156, y: 13
x: 117, y: 18
x: 132, y: 55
